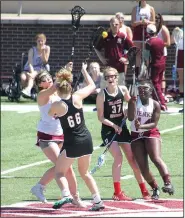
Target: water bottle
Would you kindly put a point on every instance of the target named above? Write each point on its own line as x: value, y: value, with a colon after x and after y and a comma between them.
x: 174, y: 77
x: 174, y: 74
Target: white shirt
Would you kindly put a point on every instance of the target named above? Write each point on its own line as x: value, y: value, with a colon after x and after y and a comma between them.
x: 47, y: 124
x: 143, y: 114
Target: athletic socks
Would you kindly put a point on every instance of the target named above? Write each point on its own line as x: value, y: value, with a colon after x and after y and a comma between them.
x: 143, y: 187
x: 65, y: 193
x: 117, y: 187
x: 96, y: 198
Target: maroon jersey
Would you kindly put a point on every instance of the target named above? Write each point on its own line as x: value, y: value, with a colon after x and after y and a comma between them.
x: 156, y: 47
x: 113, y: 49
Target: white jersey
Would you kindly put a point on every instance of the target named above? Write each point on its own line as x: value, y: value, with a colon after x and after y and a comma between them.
x: 160, y: 35
x: 143, y: 114
x: 181, y: 42
x: 143, y: 13
x: 47, y: 124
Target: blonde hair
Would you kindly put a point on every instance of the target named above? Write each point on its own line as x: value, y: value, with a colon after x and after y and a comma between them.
x: 119, y: 14
x: 108, y: 69
x: 40, y: 35
x: 64, y: 78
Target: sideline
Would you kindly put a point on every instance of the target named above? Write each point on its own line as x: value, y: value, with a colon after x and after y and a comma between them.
x: 46, y: 161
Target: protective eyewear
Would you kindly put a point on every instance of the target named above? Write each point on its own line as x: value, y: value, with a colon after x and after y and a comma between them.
x: 110, y: 76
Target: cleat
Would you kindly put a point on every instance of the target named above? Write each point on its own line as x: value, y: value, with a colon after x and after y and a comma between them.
x: 168, y: 188
x: 146, y: 195
x: 61, y: 202
x: 155, y: 195
x: 121, y: 197
x: 38, y: 190
x: 97, y: 206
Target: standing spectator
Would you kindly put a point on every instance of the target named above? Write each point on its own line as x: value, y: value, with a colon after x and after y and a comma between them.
x: 114, y: 45
x: 144, y: 114
x: 155, y: 47
x: 110, y: 112
x: 50, y: 136
x: 38, y: 57
x: 78, y: 141
x: 142, y: 15
x: 126, y: 30
x: 180, y: 61
x: 164, y: 34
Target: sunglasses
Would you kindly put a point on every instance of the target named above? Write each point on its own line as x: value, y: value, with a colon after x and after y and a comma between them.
x: 110, y: 76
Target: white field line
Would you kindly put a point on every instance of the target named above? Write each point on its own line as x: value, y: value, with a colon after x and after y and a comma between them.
x: 46, y: 161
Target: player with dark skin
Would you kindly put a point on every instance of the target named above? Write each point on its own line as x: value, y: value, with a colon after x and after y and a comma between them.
x: 144, y: 114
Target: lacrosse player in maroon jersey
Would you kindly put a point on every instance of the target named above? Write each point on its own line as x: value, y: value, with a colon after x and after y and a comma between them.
x: 110, y: 111
x: 114, y: 45
x: 156, y: 61
x: 144, y: 114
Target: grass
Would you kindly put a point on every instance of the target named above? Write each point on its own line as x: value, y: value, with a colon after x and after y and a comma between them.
x: 18, y: 137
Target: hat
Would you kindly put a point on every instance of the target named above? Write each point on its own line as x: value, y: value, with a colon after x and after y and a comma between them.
x: 151, y: 28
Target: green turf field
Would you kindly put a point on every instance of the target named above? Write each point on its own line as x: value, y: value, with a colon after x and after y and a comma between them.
x: 18, y: 137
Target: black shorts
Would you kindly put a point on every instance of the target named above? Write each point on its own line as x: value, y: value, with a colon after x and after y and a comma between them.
x: 78, y: 146
x: 124, y: 136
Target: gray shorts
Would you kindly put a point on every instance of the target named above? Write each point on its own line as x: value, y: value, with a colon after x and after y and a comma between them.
x: 45, y: 144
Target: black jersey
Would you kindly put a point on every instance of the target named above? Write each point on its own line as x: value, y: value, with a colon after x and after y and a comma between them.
x: 77, y: 138
x: 113, y: 107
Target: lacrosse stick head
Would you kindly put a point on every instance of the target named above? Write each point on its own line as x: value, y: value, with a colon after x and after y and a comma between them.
x: 101, y: 160
x: 94, y: 39
x: 131, y: 55
x: 77, y: 12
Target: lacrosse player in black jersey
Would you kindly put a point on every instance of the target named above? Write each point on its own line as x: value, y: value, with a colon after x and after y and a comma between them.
x: 77, y: 141
x: 109, y: 103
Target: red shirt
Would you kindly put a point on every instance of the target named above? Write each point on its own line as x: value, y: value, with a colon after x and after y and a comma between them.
x: 113, y: 49
x: 156, y: 47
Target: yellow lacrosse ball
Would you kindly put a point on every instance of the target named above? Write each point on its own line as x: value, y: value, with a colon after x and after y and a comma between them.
x: 104, y: 34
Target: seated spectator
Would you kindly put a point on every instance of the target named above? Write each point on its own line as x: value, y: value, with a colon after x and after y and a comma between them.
x: 37, y: 60
x: 97, y: 76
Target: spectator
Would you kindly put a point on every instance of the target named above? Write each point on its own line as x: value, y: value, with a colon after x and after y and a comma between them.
x: 126, y: 30
x: 38, y: 57
x: 114, y: 45
x: 97, y: 76
x: 164, y: 34
x: 180, y: 61
x: 142, y: 15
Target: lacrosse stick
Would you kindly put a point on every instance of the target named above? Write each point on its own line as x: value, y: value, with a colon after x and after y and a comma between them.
x: 93, y: 40
x: 177, y: 35
x: 101, y: 158
x: 77, y: 12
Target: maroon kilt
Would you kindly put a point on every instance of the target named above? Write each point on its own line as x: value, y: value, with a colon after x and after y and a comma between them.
x: 152, y: 133
x: 47, y: 137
